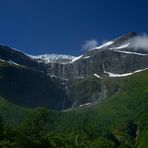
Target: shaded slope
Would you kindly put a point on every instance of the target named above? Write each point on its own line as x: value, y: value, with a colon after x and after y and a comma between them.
x: 10, y: 54
x: 28, y: 87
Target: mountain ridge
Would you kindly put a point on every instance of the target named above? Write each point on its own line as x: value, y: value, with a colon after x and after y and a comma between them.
x: 94, y: 60
x: 98, y: 99
x: 71, y: 74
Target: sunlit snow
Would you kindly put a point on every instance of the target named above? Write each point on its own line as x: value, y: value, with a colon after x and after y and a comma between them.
x: 97, y: 76
x: 125, y: 74
x: 129, y: 52
x: 86, y: 57
x: 86, y: 104
x: 121, y: 47
x: 76, y: 58
x: 52, y: 58
x: 103, y: 45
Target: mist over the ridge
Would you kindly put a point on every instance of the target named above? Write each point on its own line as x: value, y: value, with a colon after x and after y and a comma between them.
x: 139, y: 42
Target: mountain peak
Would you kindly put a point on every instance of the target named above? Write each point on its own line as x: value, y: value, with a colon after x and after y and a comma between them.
x: 124, y: 38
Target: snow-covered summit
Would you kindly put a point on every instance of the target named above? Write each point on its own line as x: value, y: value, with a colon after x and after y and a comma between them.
x: 53, y: 58
x: 118, y: 43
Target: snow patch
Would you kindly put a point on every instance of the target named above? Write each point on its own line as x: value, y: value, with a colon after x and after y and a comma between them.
x: 97, y: 76
x: 117, y: 49
x: 54, y: 76
x: 121, y: 47
x: 80, y: 77
x: 129, y: 52
x: 2, y: 60
x: 12, y: 62
x: 103, y: 45
x: 86, y: 104
x: 76, y: 58
x: 125, y: 74
x: 86, y: 57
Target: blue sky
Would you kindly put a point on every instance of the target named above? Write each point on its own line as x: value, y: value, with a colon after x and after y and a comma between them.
x: 64, y: 26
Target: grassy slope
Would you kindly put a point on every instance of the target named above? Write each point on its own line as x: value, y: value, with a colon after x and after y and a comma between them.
x: 142, y: 141
x: 128, y: 104
x: 11, y: 113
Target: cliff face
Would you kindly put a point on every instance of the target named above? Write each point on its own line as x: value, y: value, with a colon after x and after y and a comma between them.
x: 117, y: 56
x: 106, y: 60
x: 74, y: 80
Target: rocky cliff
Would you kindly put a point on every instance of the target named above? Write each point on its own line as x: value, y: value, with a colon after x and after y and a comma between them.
x: 117, y: 57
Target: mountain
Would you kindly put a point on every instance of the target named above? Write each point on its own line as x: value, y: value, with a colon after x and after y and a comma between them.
x: 126, y: 102
x: 98, y: 99
x: 83, y: 77
x: 25, y: 86
x: 79, y: 79
x: 120, y: 120
x: 16, y: 56
x: 116, y: 56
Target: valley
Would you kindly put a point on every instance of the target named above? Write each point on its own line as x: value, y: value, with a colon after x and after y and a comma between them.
x: 98, y: 99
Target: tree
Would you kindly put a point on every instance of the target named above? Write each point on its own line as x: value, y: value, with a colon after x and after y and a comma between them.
x: 1, y: 128
x: 34, y: 131
x: 102, y: 143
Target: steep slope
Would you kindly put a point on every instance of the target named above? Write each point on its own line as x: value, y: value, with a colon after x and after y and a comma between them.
x: 81, y: 78
x: 121, y: 115
x: 27, y: 87
x: 107, y: 88
x: 85, y: 91
x: 16, y: 56
x: 116, y: 56
x: 128, y: 104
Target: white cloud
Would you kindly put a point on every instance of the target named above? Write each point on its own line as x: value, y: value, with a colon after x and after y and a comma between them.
x: 140, y: 42
x: 89, y: 44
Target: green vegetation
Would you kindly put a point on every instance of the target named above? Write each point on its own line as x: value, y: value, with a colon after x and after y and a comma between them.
x: 35, y: 132
x: 11, y: 113
x: 143, y: 132
x: 129, y: 103
x: 118, y: 121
